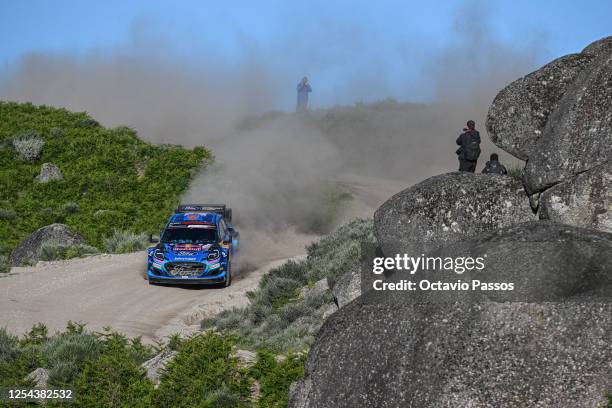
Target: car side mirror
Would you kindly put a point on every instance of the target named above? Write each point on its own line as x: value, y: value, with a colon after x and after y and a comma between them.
x: 153, y: 240
x: 227, y: 239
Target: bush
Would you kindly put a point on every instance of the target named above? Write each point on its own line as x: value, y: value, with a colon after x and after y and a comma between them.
x: 28, y: 145
x: 121, y: 242
x: 113, y: 379
x: 56, y: 133
x: 65, y: 354
x: 516, y: 172
x: 275, y: 378
x: 7, y: 214
x: 17, y: 359
x: 222, y: 397
x: 203, y: 374
x: 70, y: 208
x: 9, y: 346
x: 62, y: 252
x: 5, y: 265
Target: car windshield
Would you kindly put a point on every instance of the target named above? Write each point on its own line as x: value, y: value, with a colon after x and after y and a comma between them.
x: 189, y: 235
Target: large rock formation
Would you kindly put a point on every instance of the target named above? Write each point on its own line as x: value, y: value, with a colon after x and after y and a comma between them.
x: 584, y: 201
x: 28, y: 252
x: 559, y: 119
x: 547, y: 341
x: 548, y: 347
x: 518, y: 116
x: 447, y: 208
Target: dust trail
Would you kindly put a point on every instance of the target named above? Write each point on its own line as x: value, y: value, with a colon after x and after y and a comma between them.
x: 272, y: 168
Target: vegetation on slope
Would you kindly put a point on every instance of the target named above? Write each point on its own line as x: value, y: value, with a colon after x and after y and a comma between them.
x: 112, y: 179
x: 104, y: 370
x: 284, y: 312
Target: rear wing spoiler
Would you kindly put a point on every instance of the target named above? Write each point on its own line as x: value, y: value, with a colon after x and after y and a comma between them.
x: 220, y: 209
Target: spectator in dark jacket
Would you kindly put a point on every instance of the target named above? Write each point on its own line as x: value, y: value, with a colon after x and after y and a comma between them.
x: 469, y: 150
x: 303, y: 88
x: 493, y: 166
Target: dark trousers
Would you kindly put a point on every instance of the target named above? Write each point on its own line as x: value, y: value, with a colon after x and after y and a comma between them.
x: 467, y: 165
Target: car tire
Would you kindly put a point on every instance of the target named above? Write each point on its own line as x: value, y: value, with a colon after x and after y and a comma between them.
x: 228, y: 275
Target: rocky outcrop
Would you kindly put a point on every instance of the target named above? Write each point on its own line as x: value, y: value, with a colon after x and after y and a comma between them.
x: 517, y: 117
x: 533, y: 327
x: 319, y: 288
x: 399, y: 354
x: 584, y: 201
x: 447, y: 208
x: 549, y: 346
x: 28, y: 252
x: 49, y: 172
x: 559, y: 119
x: 347, y: 287
x: 246, y: 358
x: 154, y: 367
x: 39, y: 377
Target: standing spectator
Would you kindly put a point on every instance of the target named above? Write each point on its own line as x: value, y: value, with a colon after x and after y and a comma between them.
x: 303, y: 88
x: 469, y: 150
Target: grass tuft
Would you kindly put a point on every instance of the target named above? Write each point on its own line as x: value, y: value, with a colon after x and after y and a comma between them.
x: 121, y: 242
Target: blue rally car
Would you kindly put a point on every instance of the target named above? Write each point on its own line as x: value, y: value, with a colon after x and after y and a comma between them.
x: 195, y: 247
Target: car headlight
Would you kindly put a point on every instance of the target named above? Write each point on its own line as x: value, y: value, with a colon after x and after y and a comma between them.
x: 214, y: 254
x: 159, y: 254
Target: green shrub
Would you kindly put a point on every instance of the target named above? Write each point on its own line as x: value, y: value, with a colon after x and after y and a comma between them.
x: 70, y: 208
x: 222, y: 397
x: 65, y: 354
x: 203, y: 374
x: 87, y: 123
x: 16, y: 360
x: 9, y: 346
x: 37, y: 335
x: 516, y: 172
x: 276, y: 377
x: 7, y: 214
x: 121, y: 242
x: 113, y: 379
x: 5, y: 265
x: 28, y: 145
x: 61, y: 252
x: 56, y: 133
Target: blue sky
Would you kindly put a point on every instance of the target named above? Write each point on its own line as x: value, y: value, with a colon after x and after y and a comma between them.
x: 325, y: 39
x: 77, y: 25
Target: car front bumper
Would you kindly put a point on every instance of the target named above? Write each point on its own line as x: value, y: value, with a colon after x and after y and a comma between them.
x: 186, y: 280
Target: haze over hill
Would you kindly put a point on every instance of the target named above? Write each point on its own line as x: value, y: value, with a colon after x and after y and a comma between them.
x: 272, y: 168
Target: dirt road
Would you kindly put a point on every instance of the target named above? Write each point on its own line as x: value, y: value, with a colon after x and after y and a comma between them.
x: 109, y: 290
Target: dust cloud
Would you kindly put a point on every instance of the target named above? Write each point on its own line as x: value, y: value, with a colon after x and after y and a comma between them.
x: 270, y: 165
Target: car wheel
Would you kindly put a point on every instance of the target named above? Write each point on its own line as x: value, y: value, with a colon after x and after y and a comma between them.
x: 228, y: 275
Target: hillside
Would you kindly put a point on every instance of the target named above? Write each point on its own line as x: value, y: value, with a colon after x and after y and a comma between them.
x: 112, y: 180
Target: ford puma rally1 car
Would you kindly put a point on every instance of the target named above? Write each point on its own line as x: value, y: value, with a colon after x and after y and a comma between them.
x: 195, y: 247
